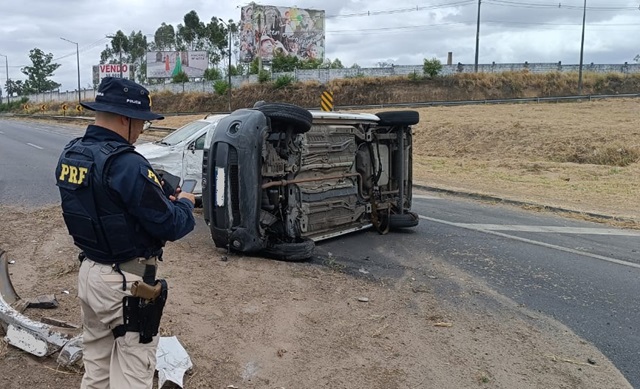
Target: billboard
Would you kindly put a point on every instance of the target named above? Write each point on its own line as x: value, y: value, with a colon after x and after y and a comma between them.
x: 112, y: 70
x: 166, y: 64
x: 266, y: 30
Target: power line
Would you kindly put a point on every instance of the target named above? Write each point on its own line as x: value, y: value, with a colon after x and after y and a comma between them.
x: 559, y: 5
x: 401, y: 10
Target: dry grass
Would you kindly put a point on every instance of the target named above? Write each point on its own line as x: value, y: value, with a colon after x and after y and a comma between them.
x: 581, y: 156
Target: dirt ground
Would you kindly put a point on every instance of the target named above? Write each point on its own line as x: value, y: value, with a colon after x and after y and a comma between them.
x: 249, y: 322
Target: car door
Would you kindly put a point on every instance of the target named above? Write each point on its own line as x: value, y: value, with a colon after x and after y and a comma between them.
x: 192, y: 162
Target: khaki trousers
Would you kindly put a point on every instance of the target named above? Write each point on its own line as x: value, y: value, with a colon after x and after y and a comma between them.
x: 111, y: 363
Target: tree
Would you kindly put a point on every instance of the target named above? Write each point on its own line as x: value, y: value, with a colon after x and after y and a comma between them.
x: 216, y: 37
x: 164, y: 38
x: 238, y: 70
x: 432, y: 67
x: 337, y: 64
x: 15, y: 88
x: 181, y: 77
x: 125, y: 49
x: 284, y: 63
x: 212, y: 74
x: 38, y: 74
x: 190, y: 34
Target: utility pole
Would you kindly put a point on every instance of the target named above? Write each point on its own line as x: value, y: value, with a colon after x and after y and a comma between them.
x: 6, y: 64
x: 78, y: 62
x: 229, y: 68
x: 478, y: 37
x: 584, y: 20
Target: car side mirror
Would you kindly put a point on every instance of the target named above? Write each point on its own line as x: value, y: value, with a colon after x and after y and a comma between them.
x: 192, y: 147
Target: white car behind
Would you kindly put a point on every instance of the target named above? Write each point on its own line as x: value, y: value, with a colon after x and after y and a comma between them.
x: 180, y: 153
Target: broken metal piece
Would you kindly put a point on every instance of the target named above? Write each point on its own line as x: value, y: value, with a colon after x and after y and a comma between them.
x: 6, y: 288
x: 34, y: 337
x: 45, y: 301
x: 71, y: 353
x: 58, y: 323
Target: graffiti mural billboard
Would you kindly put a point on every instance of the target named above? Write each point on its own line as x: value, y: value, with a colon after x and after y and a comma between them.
x: 266, y: 30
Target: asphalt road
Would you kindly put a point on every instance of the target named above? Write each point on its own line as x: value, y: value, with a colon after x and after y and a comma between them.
x: 582, y: 274
x: 28, y: 155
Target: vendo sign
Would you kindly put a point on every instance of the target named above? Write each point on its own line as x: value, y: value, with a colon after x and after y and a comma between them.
x: 114, y: 70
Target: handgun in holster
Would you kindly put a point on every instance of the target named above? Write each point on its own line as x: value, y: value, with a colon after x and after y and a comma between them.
x: 142, y: 310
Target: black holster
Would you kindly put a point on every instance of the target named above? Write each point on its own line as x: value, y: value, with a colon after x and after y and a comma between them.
x: 142, y: 316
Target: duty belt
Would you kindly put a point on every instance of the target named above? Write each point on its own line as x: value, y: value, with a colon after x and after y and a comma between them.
x: 140, y: 267
x: 145, y: 268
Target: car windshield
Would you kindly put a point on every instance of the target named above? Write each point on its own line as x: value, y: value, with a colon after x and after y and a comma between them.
x: 183, y: 133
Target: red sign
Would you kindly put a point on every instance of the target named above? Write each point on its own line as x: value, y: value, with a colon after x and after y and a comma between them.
x: 114, y: 70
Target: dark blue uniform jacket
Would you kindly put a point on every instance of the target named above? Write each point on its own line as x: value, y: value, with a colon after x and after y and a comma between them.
x: 112, y: 199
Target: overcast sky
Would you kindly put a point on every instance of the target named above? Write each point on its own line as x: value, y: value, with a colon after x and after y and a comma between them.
x: 402, y: 32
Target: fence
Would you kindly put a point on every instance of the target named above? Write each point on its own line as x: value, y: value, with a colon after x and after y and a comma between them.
x: 325, y: 75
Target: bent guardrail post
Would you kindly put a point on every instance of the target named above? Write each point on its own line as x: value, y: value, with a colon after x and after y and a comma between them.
x: 29, y: 335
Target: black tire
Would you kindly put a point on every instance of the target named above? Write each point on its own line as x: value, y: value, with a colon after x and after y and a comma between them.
x: 285, y: 114
x: 398, y: 118
x: 404, y: 220
x: 298, y: 251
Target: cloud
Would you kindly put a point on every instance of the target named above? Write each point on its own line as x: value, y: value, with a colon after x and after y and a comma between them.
x: 357, y: 31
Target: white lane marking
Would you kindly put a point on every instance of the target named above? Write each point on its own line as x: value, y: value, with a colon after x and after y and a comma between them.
x: 36, y: 146
x: 425, y: 197
x: 535, y: 242
x: 552, y: 229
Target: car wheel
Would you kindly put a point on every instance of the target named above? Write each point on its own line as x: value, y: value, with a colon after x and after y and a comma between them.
x: 297, y: 251
x: 398, y: 118
x: 299, y: 118
x: 403, y: 220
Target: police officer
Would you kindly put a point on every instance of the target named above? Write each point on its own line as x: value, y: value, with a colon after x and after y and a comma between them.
x: 119, y: 216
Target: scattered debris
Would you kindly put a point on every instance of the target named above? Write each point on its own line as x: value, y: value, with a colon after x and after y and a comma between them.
x: 420, y: 288
x: 363, y: 299
x: 34, y: 337
x: 224, y: 258
x: 58, y: 323
x: 65, y: 291
x: 556, y: 359
x: 443, y: 324
x: 45, y: 301
x: 172, y: 361
x: 11, y: 262
x: 361, y: 270
x: 281, y: 352
x: 591, y: 361
x: 71, y: 352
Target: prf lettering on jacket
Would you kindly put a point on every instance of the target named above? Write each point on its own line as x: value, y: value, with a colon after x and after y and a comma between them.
x: 153, y: 176
x: 73, y: 174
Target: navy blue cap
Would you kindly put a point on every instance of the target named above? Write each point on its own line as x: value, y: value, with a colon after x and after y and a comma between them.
x: 123, y: 97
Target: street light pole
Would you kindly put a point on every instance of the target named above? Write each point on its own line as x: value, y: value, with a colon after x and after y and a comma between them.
x: 584, y: 19
x: 78, y: 62
x: 6, y: 64
x: 477, y: 37
x: 229, y: 68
